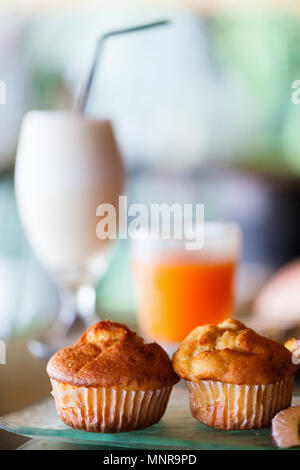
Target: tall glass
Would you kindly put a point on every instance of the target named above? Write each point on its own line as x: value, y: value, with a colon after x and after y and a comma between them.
x: 177, y: 290
x: 67, y: 165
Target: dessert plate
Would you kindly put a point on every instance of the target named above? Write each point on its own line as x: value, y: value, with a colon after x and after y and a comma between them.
x: 177, y: 429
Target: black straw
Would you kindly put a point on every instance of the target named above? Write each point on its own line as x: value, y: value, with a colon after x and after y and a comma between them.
x: 82, y: 101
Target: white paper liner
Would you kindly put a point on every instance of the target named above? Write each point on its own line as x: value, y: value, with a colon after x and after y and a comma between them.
x: 230, y: 406
x: 109, y: 409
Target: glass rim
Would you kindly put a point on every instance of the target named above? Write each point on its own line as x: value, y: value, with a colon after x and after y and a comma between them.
x: 212, y: 228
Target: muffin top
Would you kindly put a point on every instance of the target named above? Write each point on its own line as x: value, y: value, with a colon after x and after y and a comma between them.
x: 232, y: 353
x: 110, y: 354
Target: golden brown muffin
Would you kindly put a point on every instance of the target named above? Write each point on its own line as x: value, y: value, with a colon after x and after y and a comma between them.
x: 110, y: 380
x: 237, y: 378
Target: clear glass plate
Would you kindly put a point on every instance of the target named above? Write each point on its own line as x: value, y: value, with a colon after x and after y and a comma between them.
x: 177, y: 429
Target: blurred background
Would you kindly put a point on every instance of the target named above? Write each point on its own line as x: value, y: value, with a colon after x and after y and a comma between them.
x: 202, y: 111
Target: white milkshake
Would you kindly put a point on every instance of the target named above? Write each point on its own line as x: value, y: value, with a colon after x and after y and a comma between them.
x: 66, y: 166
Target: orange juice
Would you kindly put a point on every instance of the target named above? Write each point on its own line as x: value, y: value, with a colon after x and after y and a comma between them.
x: 176, y: 295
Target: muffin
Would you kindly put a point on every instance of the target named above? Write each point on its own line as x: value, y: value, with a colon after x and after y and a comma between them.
x: 110, y: 381
x: 237, y: 379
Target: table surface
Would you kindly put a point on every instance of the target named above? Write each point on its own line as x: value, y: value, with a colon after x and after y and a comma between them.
x: 39, y: 444
x: 23, y: 382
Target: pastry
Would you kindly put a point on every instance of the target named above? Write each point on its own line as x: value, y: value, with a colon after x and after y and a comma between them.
x: 110, y: 380
x: 237, y: 379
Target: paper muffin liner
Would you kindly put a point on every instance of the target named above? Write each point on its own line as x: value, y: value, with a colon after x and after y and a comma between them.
x: 230, y: 406
x: 109, y: 409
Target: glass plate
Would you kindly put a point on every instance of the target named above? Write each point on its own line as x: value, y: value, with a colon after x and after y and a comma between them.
x: 177, y: 429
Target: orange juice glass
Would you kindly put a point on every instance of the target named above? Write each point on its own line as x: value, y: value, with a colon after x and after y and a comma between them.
x: 177, y: 290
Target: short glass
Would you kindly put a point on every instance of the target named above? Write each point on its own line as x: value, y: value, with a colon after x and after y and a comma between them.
x: 177, y: 289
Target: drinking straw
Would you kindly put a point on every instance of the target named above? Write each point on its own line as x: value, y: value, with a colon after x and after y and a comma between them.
x: 82, y: 101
